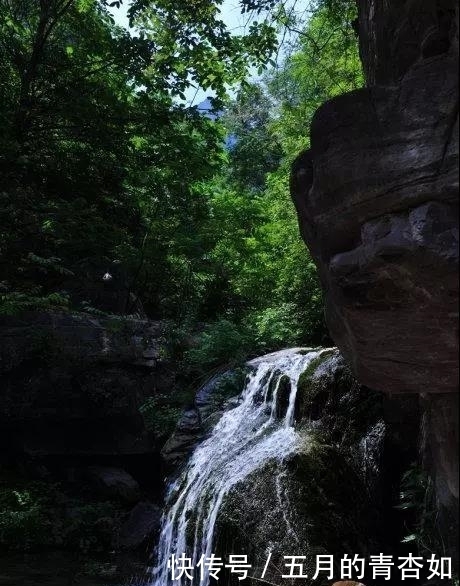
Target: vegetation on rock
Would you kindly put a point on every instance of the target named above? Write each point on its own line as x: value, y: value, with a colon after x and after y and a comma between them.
x: 41, y: 515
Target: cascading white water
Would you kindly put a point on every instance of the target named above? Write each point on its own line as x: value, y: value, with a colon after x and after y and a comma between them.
x: 243, y: 440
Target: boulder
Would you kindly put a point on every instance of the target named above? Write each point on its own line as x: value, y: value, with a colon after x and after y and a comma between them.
x: 114, y: 483
x: 143, y: 521
x: 377, y: 200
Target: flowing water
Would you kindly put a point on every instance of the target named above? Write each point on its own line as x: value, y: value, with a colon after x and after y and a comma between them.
x: 246, y: 437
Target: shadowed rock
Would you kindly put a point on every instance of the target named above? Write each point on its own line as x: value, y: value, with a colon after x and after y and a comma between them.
x: 73, y: 384
x: 143, y: 522
x: 114, y: 483
x: 377, y: 200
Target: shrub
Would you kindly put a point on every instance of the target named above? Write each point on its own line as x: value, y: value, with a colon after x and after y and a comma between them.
x: 159, y: 415
x: 41, y: 516
x: 222, y: 343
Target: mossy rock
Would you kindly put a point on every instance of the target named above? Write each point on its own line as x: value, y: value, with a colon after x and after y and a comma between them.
x: 313, y: 390
x: 255, y: 516
x: 313, y: 503
x: 329, y: 395
x: 333, y: 499
x: 283, y: 395
x: 229, y: 385
x: 325, y: 496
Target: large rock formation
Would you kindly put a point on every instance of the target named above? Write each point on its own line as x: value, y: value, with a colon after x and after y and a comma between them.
x: 377, y: 200
x: 73, y: 385
x: 73, y: 427
x: 327, y: 497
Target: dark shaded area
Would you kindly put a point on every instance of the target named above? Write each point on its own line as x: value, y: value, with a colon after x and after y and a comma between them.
x: 82, y: 422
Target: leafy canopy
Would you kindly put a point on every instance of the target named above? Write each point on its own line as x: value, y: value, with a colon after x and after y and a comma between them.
x: 117, y: 197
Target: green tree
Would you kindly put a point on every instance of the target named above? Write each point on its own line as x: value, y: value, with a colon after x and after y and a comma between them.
x: 253, y: 149
x: 105, y: 171
x: 193, y: 46
x: 96, y: 161
x: 272, y: 294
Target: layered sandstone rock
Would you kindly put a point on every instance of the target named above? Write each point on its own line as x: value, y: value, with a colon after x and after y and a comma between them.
x: 377, y: 199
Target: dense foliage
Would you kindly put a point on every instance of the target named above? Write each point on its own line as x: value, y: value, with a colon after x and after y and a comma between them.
x: 41, y: 515
x: 118, y: 197
x: 92, y: 161
x: 266, y: 292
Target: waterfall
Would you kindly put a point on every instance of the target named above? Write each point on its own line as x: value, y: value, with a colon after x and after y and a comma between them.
x: 245, y: 438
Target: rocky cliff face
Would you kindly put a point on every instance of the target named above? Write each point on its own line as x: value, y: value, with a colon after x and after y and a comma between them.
x: 73, y: 427
x: 377, y: 200
x: 73, y: 384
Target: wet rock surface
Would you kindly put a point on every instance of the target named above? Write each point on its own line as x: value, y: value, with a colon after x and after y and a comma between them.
x: 327, y: 497
x: 196, y: 421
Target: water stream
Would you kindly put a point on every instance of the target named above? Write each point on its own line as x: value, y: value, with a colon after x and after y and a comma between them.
x: 245, y: 438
